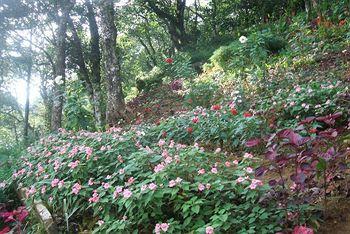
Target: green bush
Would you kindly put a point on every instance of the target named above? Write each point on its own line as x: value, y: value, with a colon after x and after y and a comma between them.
x: 111, y: 183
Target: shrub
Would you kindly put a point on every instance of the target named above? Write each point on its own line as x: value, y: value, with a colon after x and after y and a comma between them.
x: 113, y: 183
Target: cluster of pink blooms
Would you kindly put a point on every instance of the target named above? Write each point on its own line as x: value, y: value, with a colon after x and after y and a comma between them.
x: 161, y: 227
x: 76, y: 188
x: 173, y: 183
x: 125, y: 192
x: 302, y: 230
x: 202, y: 187
x: 57, y: 182
x: 30, y: 191
x: 209, y: 230
x: 74, y: 164
x: 255, y: 183
x: 95, y: 197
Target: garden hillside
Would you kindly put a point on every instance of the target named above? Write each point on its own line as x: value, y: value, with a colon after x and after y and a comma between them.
x: 178, y: 117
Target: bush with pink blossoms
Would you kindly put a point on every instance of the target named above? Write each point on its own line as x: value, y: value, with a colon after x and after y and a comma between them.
x: 177, y: 198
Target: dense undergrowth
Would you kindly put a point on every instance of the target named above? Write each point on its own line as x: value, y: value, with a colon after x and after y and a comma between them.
x: 204, y: 169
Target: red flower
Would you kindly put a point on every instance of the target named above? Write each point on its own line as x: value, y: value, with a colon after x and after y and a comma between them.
x: 157, y: 122
x: 247, y: 114
x: 313, y: 130
x: 189, y: 130
x: 302, y: 230
x: 216, y: 107
x: 169, y: 60
x: 342, y: 22
x: 195, y: 120
x: 164, y: 134
x: 234, y: 111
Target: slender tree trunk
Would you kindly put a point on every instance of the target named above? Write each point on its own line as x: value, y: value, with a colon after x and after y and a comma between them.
x: 26, y: 107
x: 115, y: 98
x: 58, y: 99
x: 95, y: 61
x: 28, y: 80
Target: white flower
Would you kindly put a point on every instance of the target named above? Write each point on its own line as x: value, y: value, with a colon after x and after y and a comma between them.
x: 243, y: 39
x: 59, y: 80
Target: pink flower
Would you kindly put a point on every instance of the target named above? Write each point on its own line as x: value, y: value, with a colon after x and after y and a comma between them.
x: 54, y: 183
x: 131, y: 180
x: 95, y: 197
x: 227, y: 164
x: 172, y: 183
x: 90, y: 182
x: 143, y: 187
x: 60, y: 184
x: 161, y: 142
x: 209, y: 230
x: 120, y: 159
x: 235, y: 162
x: 100, y: 222
x: 240, y: 180
x: 218, y: 150
x: 164, y: 227
x: 159, y: 167
x: 247, y: 155
x: 161, y: 227
x: 127, y: 193
x: 106, y: 185
x: 152, y: 186
x: 73, y: 164
x: 249, y: 170
x: 201, y: 187
x: 168, y: 160
x: 43, y: 189
x: 195, y: 119
x: 255, y: 183
x: 302, y: 230
x: 88, y: 152
x: 121, y: 171
x: 214, y: 170
x: 201, y: 171
x: 76, y: 188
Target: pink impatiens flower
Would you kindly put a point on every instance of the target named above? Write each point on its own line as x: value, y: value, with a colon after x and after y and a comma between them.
x: 127, y: 193
x: 302, y: 230
x: 159, y: 167
x: 247, y: 155
x: 95, y: 197
x: 214, y: 170
x: 54, y: 183
x: 172, y: 183
x: 227, y: 164
x: 161, y: 142
x: 249, y: 170
x: 240, y: 180
x: 201, y: 187
x: 161, y: 227
x: 73, y: 164
x: 106, y: 185
x: 209, y: 230
x: 76, y: 188
x: 152, y: 186
x: 201, y: 171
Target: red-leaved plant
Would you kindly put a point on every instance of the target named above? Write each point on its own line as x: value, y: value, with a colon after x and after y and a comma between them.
x: 14, y: 219
x: 303, y: 163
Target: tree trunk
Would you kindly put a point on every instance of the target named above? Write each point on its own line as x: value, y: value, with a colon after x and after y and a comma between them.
x: 95, y: 62
x: 58, y: 99
x: 26, y: 108
x: 28, y: 80
x: 115, y: 98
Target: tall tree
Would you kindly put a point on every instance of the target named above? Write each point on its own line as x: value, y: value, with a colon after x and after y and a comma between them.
x: 115, y: 98
x: 56, y: 118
